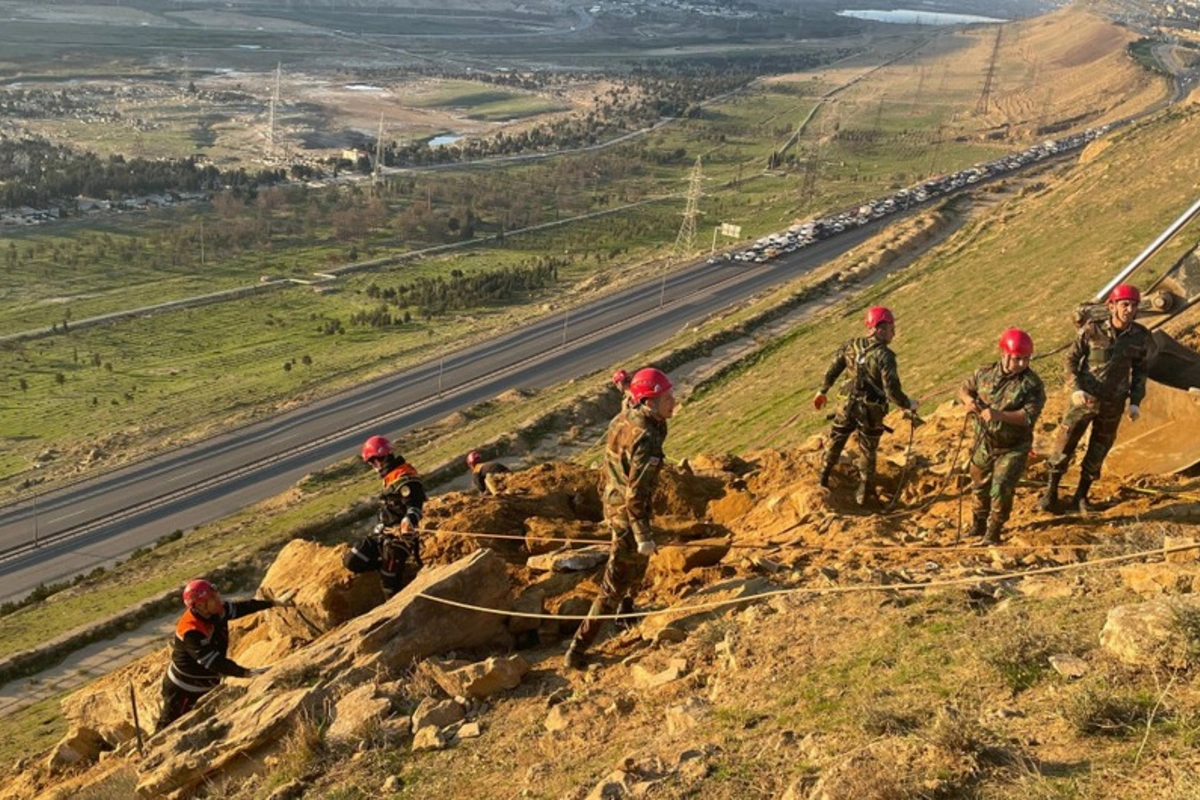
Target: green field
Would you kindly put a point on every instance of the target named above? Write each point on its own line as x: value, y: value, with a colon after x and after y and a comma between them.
x: 177, y: 374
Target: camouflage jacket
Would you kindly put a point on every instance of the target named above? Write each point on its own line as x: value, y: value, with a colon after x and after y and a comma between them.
x: 1021, y: 392
x: 873, y: 375
x: 632, y: 459
x: 1110, y: 364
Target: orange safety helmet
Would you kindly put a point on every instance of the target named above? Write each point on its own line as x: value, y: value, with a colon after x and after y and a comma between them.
x: 647, y: 383
x: 376, y: 447
x: 196, y: 591
x: 877, y: 315
x: 1124, y: 291
x: 473, y: 458
x: 1016, y: 342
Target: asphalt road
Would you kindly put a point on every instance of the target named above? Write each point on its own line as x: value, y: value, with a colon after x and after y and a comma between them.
x: 94, y: 522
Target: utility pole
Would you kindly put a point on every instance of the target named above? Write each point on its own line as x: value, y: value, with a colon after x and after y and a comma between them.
x: 274, y: 103
x: 377, y: 173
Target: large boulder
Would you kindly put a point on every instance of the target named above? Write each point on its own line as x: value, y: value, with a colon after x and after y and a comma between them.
x: 100, y: 715
x: 234, y: 724
x: 327, y: 594
x: 1154, y: 634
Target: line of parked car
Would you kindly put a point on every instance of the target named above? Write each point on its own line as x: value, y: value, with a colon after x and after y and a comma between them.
x: 804, y: 234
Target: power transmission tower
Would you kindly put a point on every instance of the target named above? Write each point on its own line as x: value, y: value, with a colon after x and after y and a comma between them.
x: 685, y: 241
x: 985, y: 96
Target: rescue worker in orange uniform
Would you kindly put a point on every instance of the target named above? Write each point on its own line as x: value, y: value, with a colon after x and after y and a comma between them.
x: 482, y: 473
x: 395, y: 538
x: 198, y: 651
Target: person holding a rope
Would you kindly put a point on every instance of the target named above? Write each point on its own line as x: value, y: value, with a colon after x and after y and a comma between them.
x: 873, y: 380
x: 198, y: 650
x: 1005, y: 400
x: 483, y: 473
x: 1108, y: 365
x: 633, y: 457
x: 394, y: 540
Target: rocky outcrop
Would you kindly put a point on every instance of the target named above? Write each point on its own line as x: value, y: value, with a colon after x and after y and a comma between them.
x: 235, y: 722
x: 1157, y: 633
x: 100, y: 716
x: 479, y: 680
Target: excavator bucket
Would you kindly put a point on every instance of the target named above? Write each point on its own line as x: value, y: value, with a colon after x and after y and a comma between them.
x: 1166, y: 437
x: 1172, y: 364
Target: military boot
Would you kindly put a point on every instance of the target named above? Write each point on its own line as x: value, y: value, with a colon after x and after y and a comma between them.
x: 1079, y: 501
x: 991, y: 535
x: 826, y: 471
x: 978, y: 525
x: 1049, y: 499
x: 622, y: 622
x: 864, y: 495
x: 575, y: 658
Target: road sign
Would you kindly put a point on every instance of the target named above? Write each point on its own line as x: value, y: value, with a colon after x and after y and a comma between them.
x: 731, y: 230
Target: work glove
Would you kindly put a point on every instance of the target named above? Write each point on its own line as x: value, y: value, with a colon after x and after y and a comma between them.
x: 286, y: 598
x: 819, y: 401
x: 913, y: 404
x: 1081, y: 398
x: 647, y: 548
x: 378, y: 529
x: 1134, y: 413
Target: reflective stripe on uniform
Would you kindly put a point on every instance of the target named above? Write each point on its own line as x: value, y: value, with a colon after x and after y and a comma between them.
x: 175, y: 678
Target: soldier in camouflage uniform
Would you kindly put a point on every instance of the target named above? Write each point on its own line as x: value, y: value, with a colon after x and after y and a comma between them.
x: 1108, y: 365
x: 632, y: 460
x: 873, y: 380
x: 1006, y: 399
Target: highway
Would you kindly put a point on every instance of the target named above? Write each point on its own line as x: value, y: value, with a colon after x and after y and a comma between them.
x: 93, y: 522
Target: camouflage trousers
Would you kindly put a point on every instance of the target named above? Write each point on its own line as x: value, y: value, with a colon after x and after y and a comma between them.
x: 622, y: 577
x: 994, y: 477
x: 1104, y: 418
x: 865, y: 419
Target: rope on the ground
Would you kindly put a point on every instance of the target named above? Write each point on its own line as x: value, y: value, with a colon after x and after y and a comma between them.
x: 930, y: 549
x: 816, y: 590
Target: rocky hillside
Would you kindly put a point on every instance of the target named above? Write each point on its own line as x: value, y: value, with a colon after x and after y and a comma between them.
x: 791, y: 647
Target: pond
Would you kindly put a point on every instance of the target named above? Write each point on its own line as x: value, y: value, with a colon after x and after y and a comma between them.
x: 444, y: 139
x: 907, y: 16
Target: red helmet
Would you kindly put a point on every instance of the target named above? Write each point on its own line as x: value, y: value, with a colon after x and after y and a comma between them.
x: 1125, y: 292
x: 1016, y: 342
x: 648, y: 382
x: 376, y: 447
x: 620, y: 378
x: 196, y: 591
x: 473, y: 458
x: 877, y: 315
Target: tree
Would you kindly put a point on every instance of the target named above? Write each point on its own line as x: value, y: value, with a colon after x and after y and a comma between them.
x: 24, y: 384
x: 306, y: 360
x: 59, y: 378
